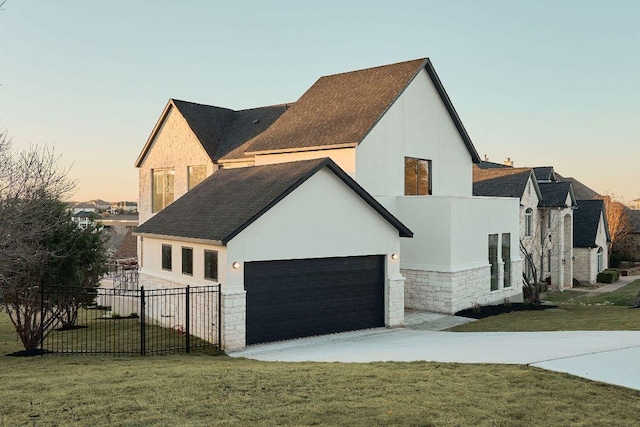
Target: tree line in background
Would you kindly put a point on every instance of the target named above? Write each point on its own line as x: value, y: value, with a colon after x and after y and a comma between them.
x: 40, y: 246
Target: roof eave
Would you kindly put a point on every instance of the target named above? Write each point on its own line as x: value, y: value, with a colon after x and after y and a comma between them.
x: 403, y: 230
x: 179, y: 238
x: 154, y: 132
x: 475, y: 157
x: 301, y: 149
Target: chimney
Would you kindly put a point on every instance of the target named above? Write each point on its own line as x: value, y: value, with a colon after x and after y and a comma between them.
x: 486, y: 158
x: 508, y: 162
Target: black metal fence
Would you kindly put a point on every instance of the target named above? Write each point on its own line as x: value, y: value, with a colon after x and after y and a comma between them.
x: 141, y: 321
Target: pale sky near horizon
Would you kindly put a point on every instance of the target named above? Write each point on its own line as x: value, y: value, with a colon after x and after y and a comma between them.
x: 542, y: 82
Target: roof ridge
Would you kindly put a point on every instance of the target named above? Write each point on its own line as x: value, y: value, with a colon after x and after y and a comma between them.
x: 423, y: 60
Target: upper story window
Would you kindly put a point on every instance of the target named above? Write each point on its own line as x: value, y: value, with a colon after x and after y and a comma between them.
x: 528, y: 222
x: 417, y: 177
x: 162, y: 188
x: 197, y: 174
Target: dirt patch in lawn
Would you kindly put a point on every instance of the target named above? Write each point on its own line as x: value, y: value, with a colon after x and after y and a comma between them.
x: 494, y: 310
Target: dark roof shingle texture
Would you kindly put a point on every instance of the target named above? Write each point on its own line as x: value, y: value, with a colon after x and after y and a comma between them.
x: 554, y: 194
x: 231, y: 199
x: 338, y: 109
x: 221, y: 130
x: 500, y: 182
x: 585, y: 223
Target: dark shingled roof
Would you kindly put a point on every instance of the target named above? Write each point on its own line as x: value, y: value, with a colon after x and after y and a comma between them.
x: 128, y: 248
x: 544, y: 173
x: 343, y: 108
x: 581, y: 191
x: 554, y: 194
x: 230, y: 200
x: 484, y: 164
x: 500, y: 182
x: 221, y: 130
x: 585, y: 223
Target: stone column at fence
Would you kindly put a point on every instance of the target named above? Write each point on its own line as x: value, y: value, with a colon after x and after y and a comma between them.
x: 234, y: 315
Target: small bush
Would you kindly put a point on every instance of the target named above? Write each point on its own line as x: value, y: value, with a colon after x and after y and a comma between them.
x: 607, y: 276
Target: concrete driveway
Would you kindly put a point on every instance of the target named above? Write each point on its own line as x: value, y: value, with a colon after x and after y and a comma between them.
x: 608, y: 356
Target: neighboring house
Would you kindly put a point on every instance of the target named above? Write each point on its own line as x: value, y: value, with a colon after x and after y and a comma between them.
x: 85, y: 219
x: 128, y: 248
x: 118, y: 226
x: 123, y: 208
x: 84, y: 207
x: 591, y: 240
x: 100, y: 205
x: 558, y: 203
x: 546, y: 216
x: 275, y: 215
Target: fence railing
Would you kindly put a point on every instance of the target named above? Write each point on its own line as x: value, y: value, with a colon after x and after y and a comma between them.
x: 131, y: 321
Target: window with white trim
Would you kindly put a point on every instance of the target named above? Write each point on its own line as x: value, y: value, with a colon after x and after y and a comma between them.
x: 528, y: 222
x: 162, y: 192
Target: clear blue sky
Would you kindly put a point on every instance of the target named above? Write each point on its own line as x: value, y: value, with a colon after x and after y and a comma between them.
x: 543, y: 82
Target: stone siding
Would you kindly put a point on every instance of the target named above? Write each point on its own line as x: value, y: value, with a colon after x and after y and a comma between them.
x: 174, y: 136
x: 446, y: 292
x: 394, y: 302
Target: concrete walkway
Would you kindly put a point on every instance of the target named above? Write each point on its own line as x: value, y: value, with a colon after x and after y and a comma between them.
x: 607, y: 356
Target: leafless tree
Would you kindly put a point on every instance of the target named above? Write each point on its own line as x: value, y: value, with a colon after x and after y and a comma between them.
x: 620, y: 224
x: 31, y: 186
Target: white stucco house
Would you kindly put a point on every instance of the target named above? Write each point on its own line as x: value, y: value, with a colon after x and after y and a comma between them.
x: 340, y: 209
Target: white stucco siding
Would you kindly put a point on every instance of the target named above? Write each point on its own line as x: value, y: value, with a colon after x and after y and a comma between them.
x: 343, y: 157
x: 321, y: 218
x: 151, y: 261
x: 174, y: 147
x: 417, y: 125
x: 451, y: 233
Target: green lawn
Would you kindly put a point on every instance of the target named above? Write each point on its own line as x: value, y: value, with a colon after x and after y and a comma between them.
x: 208, y: 390
x: 577, y: 311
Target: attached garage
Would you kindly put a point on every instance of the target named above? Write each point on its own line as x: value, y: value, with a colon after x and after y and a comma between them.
x: 302, y: 250
x: 298, y: 298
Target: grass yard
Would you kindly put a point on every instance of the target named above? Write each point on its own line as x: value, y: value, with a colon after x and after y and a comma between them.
x: 207, y: 390
x: 577, y: 311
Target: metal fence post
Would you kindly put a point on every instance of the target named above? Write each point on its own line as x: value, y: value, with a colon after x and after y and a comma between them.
x: 219, y: 318
x: 188, y: 321
x: 142, y: 321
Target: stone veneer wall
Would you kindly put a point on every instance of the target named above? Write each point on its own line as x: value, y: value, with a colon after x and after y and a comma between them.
x: 585, y: 265
x: 394, y: 303
x: 446, y: 292
x: 233, y: 312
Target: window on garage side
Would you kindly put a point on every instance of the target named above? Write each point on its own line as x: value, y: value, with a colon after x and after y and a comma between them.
x: 506, y: 259
x: 493, y: 260
x: 211, y: 265
x: 196, y: 174
x: 187, y: 261
x: 162, y: 192
x: 166, y: 257
x: 417, y: 177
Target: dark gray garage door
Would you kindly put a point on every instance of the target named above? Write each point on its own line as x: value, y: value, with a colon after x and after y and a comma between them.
x: 299, y: 298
